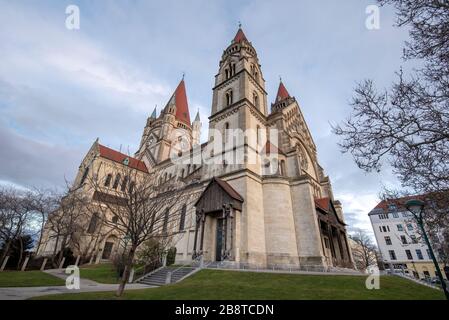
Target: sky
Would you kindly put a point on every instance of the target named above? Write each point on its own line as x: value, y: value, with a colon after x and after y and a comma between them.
x: 60, y: 89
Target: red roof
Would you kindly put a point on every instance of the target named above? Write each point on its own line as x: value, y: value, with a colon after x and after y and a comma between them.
x: 119, y: 157
x: 282, y: 93
x: 322, y: 203
x: 180, y: 101
x: 240, y: 36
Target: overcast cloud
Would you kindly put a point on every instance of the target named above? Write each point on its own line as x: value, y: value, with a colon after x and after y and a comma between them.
x: 61, y: 89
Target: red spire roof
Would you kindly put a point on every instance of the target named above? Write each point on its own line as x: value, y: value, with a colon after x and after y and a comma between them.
x: 240, y: 36
x: 282, y: 93
x: 119, y: 157
x: 179, y: 99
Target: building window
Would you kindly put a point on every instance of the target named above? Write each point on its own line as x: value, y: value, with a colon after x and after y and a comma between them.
x: 226, y: 132
x: 384, y: 229
x: 403, y: 240
x: 388, y: 228
x: 165, y: 225
x: 124, y: 183
x: 131, y: 186
x: 380, y: 228
x: 395, y: 215
x: 84, y: 177
x: 409, y: 254
x: 392, y: 207
x: 182, y: 221
x: 257, y: 136
x: 414, y: 239
x: 419, y: 254
x: 405, y: 214
x: 409, y: 227
x: 108, y: 180
x: 93, y: 223
x: 282, y: 168
x: 229, y: 98
x: 392, y: 254
x: 115, y: 219
x: 388, y: 241
x: 256, y: 100
x: 117, y: 181
x: 400, y: 227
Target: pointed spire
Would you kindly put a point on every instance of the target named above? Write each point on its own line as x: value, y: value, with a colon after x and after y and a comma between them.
x: 240, y: 36
x: 153, y: 115
x: 179, y: 100
x: 282, y: 92
x: 197, y: 117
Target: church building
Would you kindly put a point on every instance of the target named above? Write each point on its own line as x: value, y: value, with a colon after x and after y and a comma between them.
x: 265, y: 200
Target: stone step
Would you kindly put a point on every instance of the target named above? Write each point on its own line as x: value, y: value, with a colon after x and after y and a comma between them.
x: 159, y: 277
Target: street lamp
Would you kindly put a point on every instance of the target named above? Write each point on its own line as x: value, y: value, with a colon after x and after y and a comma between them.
x: 416, y: 208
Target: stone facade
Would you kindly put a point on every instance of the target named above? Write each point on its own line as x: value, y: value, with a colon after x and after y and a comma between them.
x: 265, y: 198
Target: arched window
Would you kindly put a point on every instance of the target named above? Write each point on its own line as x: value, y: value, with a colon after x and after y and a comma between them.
x: 256, y: 100
x: 115, y: 219
x: 124, y: 183
x: 165, y: 177
x: 233, y: 69
x: 93, y: 223
x: 258, y: 136
x: 108, y: 180
x: 226, y: 132
x: 182, y: 220
x: 84, y: 177
x: 182, y: 173
x: 282, y: 168
x: 229, y: 98
x: 117, y: 181
x: 131, y: 186
x: 227, y: 73
x: 165, y: 225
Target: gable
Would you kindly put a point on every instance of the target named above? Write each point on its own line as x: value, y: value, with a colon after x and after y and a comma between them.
x: 216, y: 194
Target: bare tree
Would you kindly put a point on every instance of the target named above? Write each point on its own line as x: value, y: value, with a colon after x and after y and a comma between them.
x: 43, y: 203
x: 15, y: 210
x: 364, y: 252
x: 408, y: 126
x: 65, y: 224
x: 139, y: 207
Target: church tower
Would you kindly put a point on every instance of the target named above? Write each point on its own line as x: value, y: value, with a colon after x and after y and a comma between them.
x: 239, y: 98
x: 196, y: 130
x: 171, y: 130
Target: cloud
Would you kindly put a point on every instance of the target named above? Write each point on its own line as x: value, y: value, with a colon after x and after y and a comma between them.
x: 61, y: 89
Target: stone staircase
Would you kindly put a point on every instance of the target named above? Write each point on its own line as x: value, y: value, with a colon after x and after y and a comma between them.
x: 166, y: 275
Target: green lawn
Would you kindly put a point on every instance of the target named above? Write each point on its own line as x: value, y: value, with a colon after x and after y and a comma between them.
x: 102, y: 273
x: 232, y: 285
x: 28, y: 279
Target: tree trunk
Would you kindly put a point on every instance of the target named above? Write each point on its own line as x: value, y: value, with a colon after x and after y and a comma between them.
x: 19, y: 261
x: 5, y: 251
x: 61, y: 252
x: 126, y: 272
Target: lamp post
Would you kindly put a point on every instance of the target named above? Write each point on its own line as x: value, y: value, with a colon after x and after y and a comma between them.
x: 416, y: 208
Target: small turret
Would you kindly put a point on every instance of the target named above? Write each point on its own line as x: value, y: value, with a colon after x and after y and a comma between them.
x: 196, y: 129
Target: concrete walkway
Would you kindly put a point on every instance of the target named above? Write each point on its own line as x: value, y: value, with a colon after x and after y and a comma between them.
x: 22, y: 293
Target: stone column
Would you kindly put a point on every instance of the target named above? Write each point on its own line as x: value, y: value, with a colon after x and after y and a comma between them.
x: 197, y: 226
x: 203, y: 222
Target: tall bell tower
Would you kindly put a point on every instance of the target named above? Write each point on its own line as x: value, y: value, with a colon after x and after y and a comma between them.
x: 239, y: 97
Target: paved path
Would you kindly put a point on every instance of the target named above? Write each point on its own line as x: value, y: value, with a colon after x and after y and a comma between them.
x: 22, y: 293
